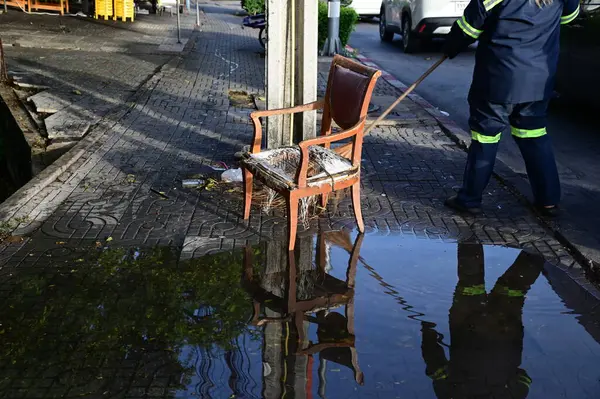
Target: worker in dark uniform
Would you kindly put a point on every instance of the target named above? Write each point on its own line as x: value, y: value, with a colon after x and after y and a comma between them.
x: 513, y: 80
x: 486, y: 332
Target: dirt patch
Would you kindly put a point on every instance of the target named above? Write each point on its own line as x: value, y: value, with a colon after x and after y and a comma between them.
x: 241, y: 99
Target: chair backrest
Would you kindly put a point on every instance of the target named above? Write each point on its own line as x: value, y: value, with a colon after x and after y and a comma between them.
x: 349, y: 89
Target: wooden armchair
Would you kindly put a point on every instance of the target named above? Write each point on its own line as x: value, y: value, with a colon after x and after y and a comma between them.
x: 286, y: 170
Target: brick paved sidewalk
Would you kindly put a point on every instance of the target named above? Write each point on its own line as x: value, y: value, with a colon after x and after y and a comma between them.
x: 182, y: 119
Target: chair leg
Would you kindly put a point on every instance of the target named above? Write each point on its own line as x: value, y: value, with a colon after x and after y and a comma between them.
x: 248, y: 178
x: 292, y: 214
x: 324, y: 199
x: 356, y: 206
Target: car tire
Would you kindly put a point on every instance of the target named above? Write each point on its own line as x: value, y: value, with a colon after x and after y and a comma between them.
x: 410, y: 42
x: 262, y: 37
x: 385, y: 34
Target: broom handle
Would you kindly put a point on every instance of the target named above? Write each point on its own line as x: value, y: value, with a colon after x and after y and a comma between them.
x: 406, y: 93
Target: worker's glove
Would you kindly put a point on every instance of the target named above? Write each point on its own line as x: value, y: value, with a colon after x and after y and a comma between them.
x: 456, y: 41
x: 452, y: 47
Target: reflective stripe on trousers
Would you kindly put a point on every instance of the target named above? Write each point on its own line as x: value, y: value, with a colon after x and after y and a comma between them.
x: 527, y: 123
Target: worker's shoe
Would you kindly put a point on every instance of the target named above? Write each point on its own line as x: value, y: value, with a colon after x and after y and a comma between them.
x: 552, y: 211
x: 455, y: 204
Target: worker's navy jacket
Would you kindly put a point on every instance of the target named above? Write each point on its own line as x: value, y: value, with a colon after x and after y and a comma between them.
x: 518, y: 48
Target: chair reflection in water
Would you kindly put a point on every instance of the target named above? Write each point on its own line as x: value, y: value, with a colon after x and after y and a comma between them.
x: 290, y: 295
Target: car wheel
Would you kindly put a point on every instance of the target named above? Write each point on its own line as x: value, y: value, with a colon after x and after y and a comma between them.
x: 262, y: 37
x: 410, y: 43
x: 384, y: 33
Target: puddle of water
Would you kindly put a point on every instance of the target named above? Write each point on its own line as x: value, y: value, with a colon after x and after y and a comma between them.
x: 375, y: 316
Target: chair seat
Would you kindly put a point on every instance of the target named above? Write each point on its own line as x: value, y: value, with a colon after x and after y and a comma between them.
x: 278, y: 167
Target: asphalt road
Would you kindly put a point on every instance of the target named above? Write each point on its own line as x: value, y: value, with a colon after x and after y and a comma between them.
x: 576, y: 135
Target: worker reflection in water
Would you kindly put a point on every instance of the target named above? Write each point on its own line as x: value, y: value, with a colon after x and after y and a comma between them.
x: 513, y: 80
x: 486, y: 332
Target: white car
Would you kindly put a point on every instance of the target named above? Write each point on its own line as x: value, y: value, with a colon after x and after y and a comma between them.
x: 367, y: 8
x: 418, y: 20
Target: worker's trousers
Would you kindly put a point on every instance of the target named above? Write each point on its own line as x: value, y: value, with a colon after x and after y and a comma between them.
x: 527, y: 124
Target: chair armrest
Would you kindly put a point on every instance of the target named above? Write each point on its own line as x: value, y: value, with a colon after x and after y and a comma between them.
x: 256, y: 141
x: 303, y: 168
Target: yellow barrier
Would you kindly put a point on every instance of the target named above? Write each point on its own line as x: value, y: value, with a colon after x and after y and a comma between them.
x: 124, y: 9
x: 104, y: 8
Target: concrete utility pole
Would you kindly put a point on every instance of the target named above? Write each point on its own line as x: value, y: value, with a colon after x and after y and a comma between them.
x: 197, y: 14
x: 5, y: 7
x: 291, y: 70
x: 333, y: 45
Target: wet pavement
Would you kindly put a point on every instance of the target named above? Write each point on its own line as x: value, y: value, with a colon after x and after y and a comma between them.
x: 346, y: 316
x: 118, y: 282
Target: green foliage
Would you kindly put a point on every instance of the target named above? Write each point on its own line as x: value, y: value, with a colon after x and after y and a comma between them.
x: 253, y: 7
x: 115, y: 304
x: 348, y: 20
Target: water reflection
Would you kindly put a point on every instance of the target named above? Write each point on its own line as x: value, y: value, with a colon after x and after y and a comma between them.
x: 113, y: 323
x: 290, y: 295
x: 486, y: 331
x: 340, y: 317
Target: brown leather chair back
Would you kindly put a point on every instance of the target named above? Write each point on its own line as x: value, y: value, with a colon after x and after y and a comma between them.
x: 349, y: 91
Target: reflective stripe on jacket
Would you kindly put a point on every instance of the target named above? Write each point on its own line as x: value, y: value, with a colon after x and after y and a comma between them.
x: 518, y: 48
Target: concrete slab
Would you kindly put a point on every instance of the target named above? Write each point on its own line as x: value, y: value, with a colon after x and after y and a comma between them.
x: 48, y: 102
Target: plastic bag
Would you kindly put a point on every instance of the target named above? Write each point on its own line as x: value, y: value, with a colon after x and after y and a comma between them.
x: 232, y: 175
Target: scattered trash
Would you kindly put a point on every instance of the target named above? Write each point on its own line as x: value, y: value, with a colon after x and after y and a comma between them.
x: 222, y: 164
x: 13, y: 239
x: 444, y: 113
x: 192, y: 182
x: 130, y: 178
x: 232, y: 175
x: 210, y: 184
x: 109, y: 239
x: 161, y: 193
x: 77, y: 92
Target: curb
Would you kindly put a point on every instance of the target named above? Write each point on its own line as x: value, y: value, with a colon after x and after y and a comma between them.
x: 453, y: 131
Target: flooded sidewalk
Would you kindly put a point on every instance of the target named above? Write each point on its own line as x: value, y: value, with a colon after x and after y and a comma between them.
x: 343, y: 316
x: 120, y: 282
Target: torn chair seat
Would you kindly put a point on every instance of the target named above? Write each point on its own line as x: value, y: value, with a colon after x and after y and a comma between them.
x: 279, y: 167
